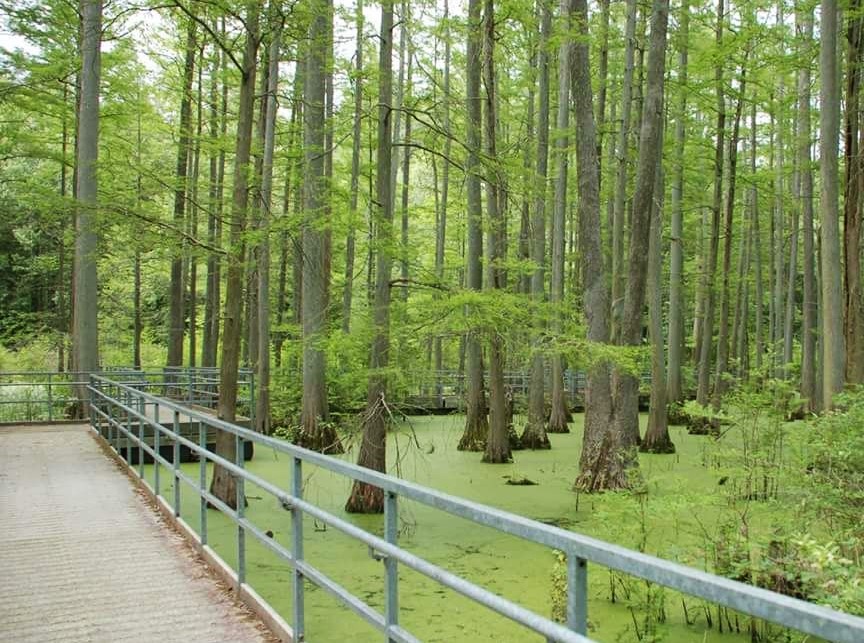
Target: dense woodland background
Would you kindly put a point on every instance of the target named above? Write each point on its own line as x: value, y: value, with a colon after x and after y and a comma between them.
x: 351, y: 199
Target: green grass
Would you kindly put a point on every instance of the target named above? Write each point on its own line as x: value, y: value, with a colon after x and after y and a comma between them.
x: 676, y: 518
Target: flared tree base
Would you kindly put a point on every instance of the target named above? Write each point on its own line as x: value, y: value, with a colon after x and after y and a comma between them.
x: 557, y: 425
x: 474, y: 436
x: 497, y: 456
x: 322, y: 438
x: 365, y: 499
x: 535, y: 438
x: 662, y: 444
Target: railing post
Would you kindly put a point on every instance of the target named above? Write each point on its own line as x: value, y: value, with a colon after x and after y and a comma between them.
x: 252, y: 424
x: 202, y: 478
x: 128, y: 436
x: 577, y: 593
x: 391, y: 569
x: 51, y: 401
x: 141, y: 438
x: 240, y: 499
x: 297, y: 537
x: 156, y: 445
x: 176, y: 463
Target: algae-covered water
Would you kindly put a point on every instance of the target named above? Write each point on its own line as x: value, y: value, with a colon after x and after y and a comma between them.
x: 675, y: 518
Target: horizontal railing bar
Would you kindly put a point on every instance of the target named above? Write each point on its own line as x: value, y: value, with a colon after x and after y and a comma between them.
x: 486, y: 598
x: 784, y: 610
x: 458, y: 584
x: 361, y: 608
x: 352, y: 602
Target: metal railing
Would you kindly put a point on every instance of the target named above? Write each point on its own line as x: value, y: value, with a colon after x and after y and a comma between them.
x: 52, y: 396
x: 454, y: 383
x: 116, y: 409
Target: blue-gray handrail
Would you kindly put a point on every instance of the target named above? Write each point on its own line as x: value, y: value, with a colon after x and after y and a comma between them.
x: 113, y: 401
x: 47, y: 395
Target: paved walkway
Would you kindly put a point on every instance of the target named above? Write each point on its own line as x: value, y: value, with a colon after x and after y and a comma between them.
x: 84, y: 558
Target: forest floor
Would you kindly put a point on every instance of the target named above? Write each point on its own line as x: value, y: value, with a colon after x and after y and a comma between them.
x: 686, y: 510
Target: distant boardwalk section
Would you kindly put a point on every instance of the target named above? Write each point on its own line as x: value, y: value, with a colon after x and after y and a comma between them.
x: 85, y: 559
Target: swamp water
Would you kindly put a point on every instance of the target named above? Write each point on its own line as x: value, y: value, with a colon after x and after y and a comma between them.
x: 674, y: 519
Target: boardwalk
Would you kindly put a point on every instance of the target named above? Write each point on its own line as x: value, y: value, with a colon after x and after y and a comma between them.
x: 84, y: 558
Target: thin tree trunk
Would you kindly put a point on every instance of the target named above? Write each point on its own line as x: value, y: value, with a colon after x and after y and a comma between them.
x: 710, y: 273
x: 809, y: 310
x: 657, y: 439
x: 366, y: 498
x: 476, y: 423
x: 853, y: 303
x: 406, y: 165
x: 262, y: 400
x: 559, y: 414
x: 176, y: 316
x: 723, y: 339
x: 193, y: 217
x: 832, y: 287
x: 224, y: 484
x: 137, y: 326
x: 211, y: 294
x: 757, y: 245
x: 619, y: 273
x: 534, y: 436
x: 348, y: 289
x: 441, y: 231
x: 676, y: 253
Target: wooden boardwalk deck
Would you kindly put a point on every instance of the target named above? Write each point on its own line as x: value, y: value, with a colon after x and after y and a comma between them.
x: 85, y: 558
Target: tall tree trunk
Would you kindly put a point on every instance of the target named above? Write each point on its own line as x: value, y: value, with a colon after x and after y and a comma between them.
x: 757, y: 245
x: 832, y: 290
x: 366, y: 498
x: 676, y: 252
x: 559, y: 414
x: 176, y: 316
x: 85, y: 301
x: 853, y: 304
x: 441, y: 230
x: 779, y: 218
x: 137, y: 327
x: 723, y: 339
x: 626, y: 398
x: 809, y: 316
x: 603, y: 74
x: 534, y: 436
x: 619, y: 274
x: 211, y: 295
x: 315, y: 432
x: 406, y: 160
x: 598, y: 463
x: 262, y: 400
x: 657, y: 438
x: 710, y: 272
x: 193, y: 215
x: 497, y: 443
x: 224, y: 484
x: 348, y: 289
x: 476, y: 422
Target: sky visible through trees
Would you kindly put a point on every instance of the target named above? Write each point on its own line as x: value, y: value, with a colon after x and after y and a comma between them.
x: 659, y: 197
